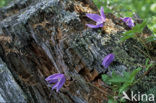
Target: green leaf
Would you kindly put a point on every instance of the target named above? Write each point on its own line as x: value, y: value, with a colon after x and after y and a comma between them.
x: 130, y: 79
x: 150, y: 39
x: 126, y: 75
x: 128, y: 32
x: 104, y: 77
x: 133, y: 74
x: 127, y: 35
x: 122, y: 100
x: 147, y: 60
x: 138, y: 28
x: 148, y: 66
x: 2, y: 3
x: 123, y: 87
x: 116, y: 78
x: 112, y: 101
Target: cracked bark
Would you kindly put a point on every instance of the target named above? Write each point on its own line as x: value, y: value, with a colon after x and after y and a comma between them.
x: 42, y: 37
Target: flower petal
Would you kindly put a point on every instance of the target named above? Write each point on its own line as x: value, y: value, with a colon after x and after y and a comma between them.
x: 52, y: 76
x: 102, y: 14
x: 52, y: 81
x: 107, y: 60
x: 61, y: 82
x: 125, y: 19
x: 57, y: 78
x: 95, y: 17
x: 55, y: 86
x: 95, y: 26
x: 129, y: 22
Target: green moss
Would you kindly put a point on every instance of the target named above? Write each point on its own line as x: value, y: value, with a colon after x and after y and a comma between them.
x: 147, y: 85
x: 123, y: 57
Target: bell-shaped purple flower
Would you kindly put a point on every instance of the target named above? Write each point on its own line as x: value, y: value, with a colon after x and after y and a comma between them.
x: 99, y: 19
x: 57, y: 78
x: 129, y: 22
x: 108, y: 60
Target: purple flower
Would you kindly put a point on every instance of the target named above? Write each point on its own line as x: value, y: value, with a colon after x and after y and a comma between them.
x: 107, y: 60
x: 97, y: 18
x: 129, y: 22
x: 57, y: 78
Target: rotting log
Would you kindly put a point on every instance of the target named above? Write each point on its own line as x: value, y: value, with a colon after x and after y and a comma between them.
x: 42, y: 37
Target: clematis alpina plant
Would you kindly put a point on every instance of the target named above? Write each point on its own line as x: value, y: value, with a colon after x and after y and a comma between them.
x: 129, y: 21
x: 108, y: 60
x: 57, y: 78
x: 99, y: 19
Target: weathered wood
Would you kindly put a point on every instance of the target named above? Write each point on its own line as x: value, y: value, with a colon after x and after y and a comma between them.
x: 9, y: 89
x: 49, y: 36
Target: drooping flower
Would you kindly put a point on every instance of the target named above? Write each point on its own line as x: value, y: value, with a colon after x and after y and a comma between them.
x: 57, y: 78
x: 129, y: 21
x: 99, y: 19
x: 108, y: 60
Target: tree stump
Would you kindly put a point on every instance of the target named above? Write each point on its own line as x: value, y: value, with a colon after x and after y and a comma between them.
x: 42, y: 37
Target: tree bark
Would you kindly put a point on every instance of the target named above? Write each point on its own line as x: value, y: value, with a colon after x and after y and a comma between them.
x: 42, y: 37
